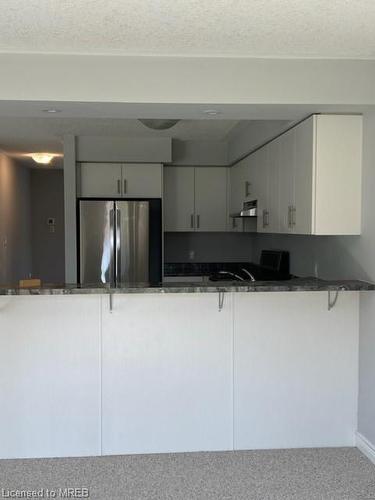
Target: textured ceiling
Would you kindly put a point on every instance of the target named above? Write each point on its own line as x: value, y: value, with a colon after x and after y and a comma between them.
x: 254, y: 28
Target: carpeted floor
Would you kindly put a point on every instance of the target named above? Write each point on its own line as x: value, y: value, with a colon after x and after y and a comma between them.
x: 316, y: 474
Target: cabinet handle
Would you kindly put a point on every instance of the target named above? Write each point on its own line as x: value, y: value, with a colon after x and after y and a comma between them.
x: 118, y: 186
x: 266, y: 218
x: 192, y: 221
x: 198, y: 221
x: 247, y: 188
x: 289, y: 216
x: 125, y: 186
x: 294, y: 217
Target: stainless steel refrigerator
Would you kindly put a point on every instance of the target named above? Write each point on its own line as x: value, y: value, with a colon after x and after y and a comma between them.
x: 119, y: 241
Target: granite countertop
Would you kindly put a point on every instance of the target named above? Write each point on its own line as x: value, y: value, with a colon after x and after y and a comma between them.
x: 292, y: 285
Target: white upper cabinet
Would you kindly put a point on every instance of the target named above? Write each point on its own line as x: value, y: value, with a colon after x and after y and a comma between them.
x: 337, y: 179
x: 195, y: 199
x: 210, y: 199
x: 179, y: 199
x: 100, y: 180
x: 236, y: 193
x: 242, y: 188
x: 266, y: 188
x: 308, y: 180
x: 301, y: 206
x: 142, y: 180
x: 124, y: 180
x: 287, y: 162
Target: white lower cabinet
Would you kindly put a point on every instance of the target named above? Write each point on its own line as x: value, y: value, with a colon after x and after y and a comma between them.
x: 167, y: 384
x: 49, y: 376
x: 295, y: 370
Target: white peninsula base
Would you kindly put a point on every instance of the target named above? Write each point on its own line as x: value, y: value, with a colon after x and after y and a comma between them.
x: 170, y: 373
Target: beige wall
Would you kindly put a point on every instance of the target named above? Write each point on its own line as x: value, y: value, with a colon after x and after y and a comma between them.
x: 47, y: 200
x: 15, y: 228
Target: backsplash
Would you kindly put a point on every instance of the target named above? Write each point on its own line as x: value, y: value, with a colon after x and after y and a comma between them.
x: 208, y: 247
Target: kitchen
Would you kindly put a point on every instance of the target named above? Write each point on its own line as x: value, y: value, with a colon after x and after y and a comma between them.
x: 211, y: 223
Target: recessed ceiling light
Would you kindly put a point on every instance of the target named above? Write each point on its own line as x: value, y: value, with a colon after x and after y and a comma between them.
x: 212, y: 112
x: 52, y: 110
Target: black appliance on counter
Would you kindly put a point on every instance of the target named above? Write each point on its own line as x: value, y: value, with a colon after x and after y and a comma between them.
x: 273, y: 266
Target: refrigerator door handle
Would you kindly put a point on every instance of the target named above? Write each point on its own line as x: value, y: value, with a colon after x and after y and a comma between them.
x: 112, y: 240
x: 118, y: 246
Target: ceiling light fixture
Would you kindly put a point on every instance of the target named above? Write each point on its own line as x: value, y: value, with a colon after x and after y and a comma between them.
x: 43, y: 158
x: 212, y: 112
x: 52, y: 110
x: 158, y: 124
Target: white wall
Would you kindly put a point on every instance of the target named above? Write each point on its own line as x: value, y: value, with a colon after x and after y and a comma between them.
x: 199, y: 153
x: 119, y: 149
x: 15, y: 222
x: 248, y: 136
x: 186, y: 80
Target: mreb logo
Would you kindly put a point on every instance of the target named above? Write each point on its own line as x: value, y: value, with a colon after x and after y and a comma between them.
x: 74, y: 493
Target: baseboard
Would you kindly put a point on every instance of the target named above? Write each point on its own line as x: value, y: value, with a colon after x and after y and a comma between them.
x: 365, y: 446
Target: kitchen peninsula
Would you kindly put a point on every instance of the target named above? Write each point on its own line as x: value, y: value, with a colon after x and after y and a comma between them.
x: 178, y: 367
x: 140, y: 358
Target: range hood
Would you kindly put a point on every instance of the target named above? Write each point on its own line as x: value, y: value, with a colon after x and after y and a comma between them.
x: 249, y: 209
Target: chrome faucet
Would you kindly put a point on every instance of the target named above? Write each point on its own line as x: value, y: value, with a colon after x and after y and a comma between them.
x: 233, y: 275
x: 251, y: 276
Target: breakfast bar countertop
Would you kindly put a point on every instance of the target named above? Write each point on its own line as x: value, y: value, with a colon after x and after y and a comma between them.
x: 293, y: 285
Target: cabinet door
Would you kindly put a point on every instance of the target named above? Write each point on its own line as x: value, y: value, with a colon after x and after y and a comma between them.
x: 303, y: 177
x: 295, y: 380
x: 272, y: 168
x: 236, y: 196
x: 210, y: 198
x: 166, y: 382
x: 100, y: 180
x: 261, y: 188
x: 142, y: 180
x: 179, y: 199
x: 287, y: 162
x: 338, y: 186
x: 49, y: 376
